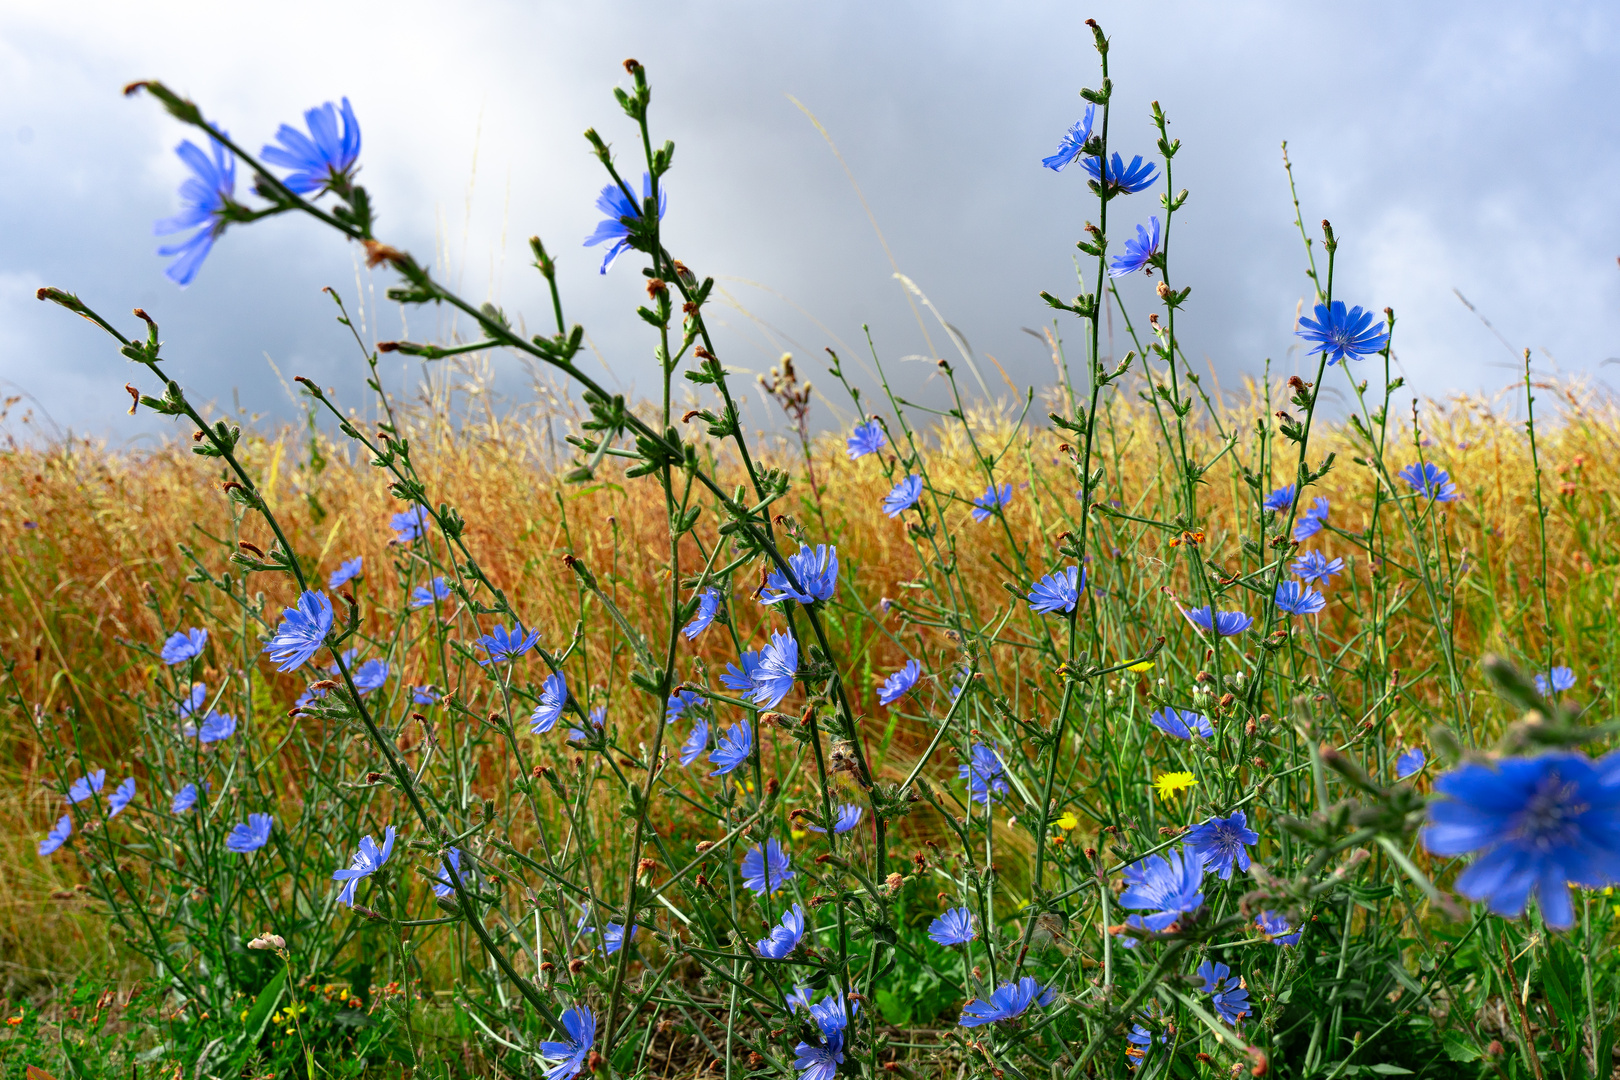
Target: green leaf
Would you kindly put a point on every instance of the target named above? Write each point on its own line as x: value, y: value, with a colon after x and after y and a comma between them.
x: 1390, y: 1070
x: 259, y: 1018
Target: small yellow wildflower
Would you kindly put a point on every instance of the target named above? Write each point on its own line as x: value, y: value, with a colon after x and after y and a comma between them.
x: 1067, y: 821
x: 1172, y: 783
x: 1146, y: 665
x: 798, y: 834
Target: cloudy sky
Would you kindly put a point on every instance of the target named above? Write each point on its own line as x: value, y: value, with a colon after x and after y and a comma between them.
x: 1469, y: 147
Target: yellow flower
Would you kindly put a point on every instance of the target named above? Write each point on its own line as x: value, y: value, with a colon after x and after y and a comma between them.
x: 1171, y: 783
x: 1067, y: 821
x: 798, y: 834
x: 1146, y: 665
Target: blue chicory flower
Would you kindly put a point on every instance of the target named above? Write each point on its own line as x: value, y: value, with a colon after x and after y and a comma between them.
x: 501, y: 645
x: 1297, y: 599
x: 740, y: 676
x: 680, y: 701
x: 322, y: 160
x: 708, y: 608
x: 1313, y: 567
x: 767, y: 870
x: 205, y: 199
x: 1280, y: 500
x: 867, y: 438
x: 192, y: 701
x: 1139, y: 252
x: 985, y: 774
x: 184, y: 645
x: 733, y: 748
x: 831, y: 1013
x: 819, y: 1062
x: 991, y: 501
x: 1276, y: 928
x: 1057, y: 593
x: 409, y: 524
x: 57, y: 836
x: 302, y: 632
x: 1168, y: 886
x: 250, y: 835
x: 613, y: 937
x: 184, y: 799
x: 346, y: 572
x: 777, y: 669
x: 566, y: 1058
x: 900, y: 683
x: 621, y: 212
x: 1430, y: 481
x: 553, y: 699
x: 1226, y: 623
x: 1231, y: 999
x: 1119, y: 178
x: 424, y: 595
x: 784, y: 938
x: 370, y: 675
x: 367, y: 861
x: 696, y: 743
x: 82, y: 788
x: 1223, y: 843
x: 446, y: 888
x: 954, y: 927
x: 1536, y: 825
x: 122, y: 796
x: 1556, y: 681
x: 424, y: 695
x: 1182, y: 723
x: 849, y: 816
x: 216, y: 727
x: 903, y: 496
x: 816, y: 569
x: 1311, y: 520
x: 1341, y: 333
x: 1410, y: 762
x: 597, y: 719
x: 1074, y: 141
x: 1008, y: 1000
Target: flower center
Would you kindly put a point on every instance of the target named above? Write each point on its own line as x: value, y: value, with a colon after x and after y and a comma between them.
x: 1548, y: 819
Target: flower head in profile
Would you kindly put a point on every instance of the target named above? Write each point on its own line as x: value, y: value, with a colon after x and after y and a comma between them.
x: 1057, y: 594
x: 367, y: 861
x: 696, y: 743
x: 1431, y: 481
x: 1230, y: 998
x: 409, y: 524
x: 954, y: 927
x: 1535, y: 825
x: 1224, y: 623
x: 1139, y: 252
x: 205, y: 203
x: 424, y: 595
x: 1410, y: 763
x: 184, y: 799
x: 866, y: 438
x: 323, y: 160
x: 1173, y: 783
x: 985, y: 774
x: 443, y: 886
x: 82, y: 788
x: 216, y: 727
x: 302, y: 632
x: 614, y: 937
x: 1313, y: 567
x: 1276, y: 928
x: 184, y: 645
x: 708, y: 607
x: 57, y: 836
x: 1556, y: 681
x: 553, y: 699
x: 991, y: 502
x: 1074, y: 142
x: 1167, y: 886
x: 122, y: 796
x: 1342, y: 332
x: 767, y: 870
x: 816, y: 570
x: 1223, y: 843
x: 903, y: 496
x: 1297, y: 599
x: 849, y: 816
x: 1280, y: 500
x: 733, y: 749
x: 565, y: 1059
x: 1182, y: 723
x: 424, y: 695
x: 777, y: 669
x: 679, y: 702
x: 347, y: 571
x: 899, y: 683
x: 250, y: 835
x: 1118, y: 178
x: 192, y: 701
x: 622, y: 214
x: 501, y: 645
x: 1008, y: 1001
x: 1311, y: 520
x: 597, y: 719
x: 370, y: 675
x: 783, y: 938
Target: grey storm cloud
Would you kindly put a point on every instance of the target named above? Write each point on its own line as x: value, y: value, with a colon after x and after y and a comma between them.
x: 1467, y: 147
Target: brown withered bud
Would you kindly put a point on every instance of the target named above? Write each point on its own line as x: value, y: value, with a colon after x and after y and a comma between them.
x: 655, y: 287
x: 773, y: 787
x: 325, y: 684
x: 633, y: 65
x: 821, y: 859
x: 1260, y: 1065
x: 1163, y: 290
x: 686, y: 417
x: 1297, y: 383
x: 1257, y: 762
x: 1205, y: 1058
x: 704, y: 845
x: 245, y: 546
x: 1226, y: 700
x: 689, y: 309
x: 378, y: 253
x: 893, y: 882
x: 701, y: 881
x: 646, y: 866
x: 702, y: 354
x: 1091, y: 853
x: 755, y: 1059
x: 1203, y: 677
x: 538, y: 771
x: 920, y: 861
x: 546, y: 967
x: 1250, y: 728
x: 579, y: 762
x: 374, y: 777
x: 1494, y: 1049
x: 134, y: 398
x: 1153, y: 319
x: 575, y: 966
